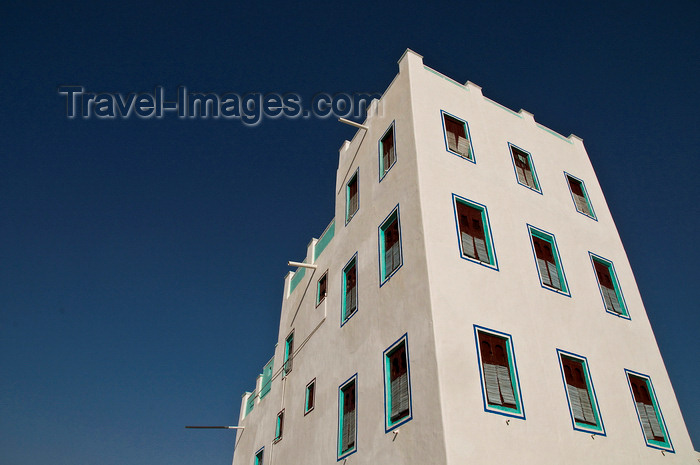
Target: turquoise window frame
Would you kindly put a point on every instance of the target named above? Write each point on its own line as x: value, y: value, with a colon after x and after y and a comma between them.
x: 352, y: 450
x: 344, y: 316
x: 266, y: 383
x: 259, y: 456
x: 388, y: 221
x: 519, y: 410
x: 307, y: 396
x: 288, y: 355
x: 490, y: 248
x: 599, y: 427
x: 250, y: 403
x: 666, y: 445
x: 616, y: 284
x: 531, y: 164
x: 585, y: 195
x: 549, y: 237
x: 388, y: 424
x: 472, y: 157
x: 279, y: 426
x: 354, y: 177
x: 383, y: 170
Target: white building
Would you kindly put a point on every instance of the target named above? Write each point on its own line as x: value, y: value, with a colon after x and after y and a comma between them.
x: 471, y: 302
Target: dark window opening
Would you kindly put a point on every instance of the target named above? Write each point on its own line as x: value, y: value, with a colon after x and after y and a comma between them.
x: 471, y: 229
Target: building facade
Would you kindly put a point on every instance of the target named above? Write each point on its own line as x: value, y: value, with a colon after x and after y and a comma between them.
x: 470, y: 301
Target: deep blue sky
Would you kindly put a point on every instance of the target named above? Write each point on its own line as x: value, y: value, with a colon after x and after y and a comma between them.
x: 142, y: 260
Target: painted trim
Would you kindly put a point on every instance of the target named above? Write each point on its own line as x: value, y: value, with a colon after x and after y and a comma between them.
x: 319, y: 301
x: 616, y: 284
x: 296, y: 279
x: 343, y: 317
x: 266, y: 383
x: 382, y: 171
x: 503, y: 107
x: 466, y: 131
x: 549, y: 237
x: 388, y: 424
x: 665, y: 446
x: 585, y: 193
x: 599, y: 428
x: 538, y: 186
x: 324, y: 240
x: 490, y: 247
x: 355, y: 176
x: 387, y: 221
x: 519, y: 411
x: 448, y: 79
x: 342, y: 455
x: 306, y: 397
x: 556, y: 134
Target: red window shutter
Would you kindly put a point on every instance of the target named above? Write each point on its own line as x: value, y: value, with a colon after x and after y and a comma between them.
x: 391, y: 235
x: 645, y: 408
x: 576, y: 187
x: 322, y: 287
x: 546, y: 263
x: 472, y: 234
x: 350, y: 279
x: 496, y: 369
x: 603, y: 273
x: 388, y: 144
x: 455, y: 127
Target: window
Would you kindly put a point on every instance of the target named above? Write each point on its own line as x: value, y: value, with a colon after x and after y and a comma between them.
x: 474, y: 232
x: 609, y: 286
x: 648, y: 411
x: 387, y: 152
x: 279, y: 427
x: 548, y: 262
x: 353, y: 197
x: 288, y: 353
x: 457, y: 136
x: 499, y: 378
x: 580, y: 394
x: 310, y: 396
x: 390, y: 245
x: 322, y: 289
x: 259, y: 456
x: 266, y: 378
x: 580, y: 196
x: 397, y: 386
x: 524, y: 169
x: 347, y: 418
x: 349, y: 304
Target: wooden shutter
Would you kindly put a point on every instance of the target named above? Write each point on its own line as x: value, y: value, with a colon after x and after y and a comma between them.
x: 579, y: 196
x: 607, y: 286
x: 523, y: 168
x: 353, y: 198
x: 645, y: 408
x: 398, y: 376
x: 497, y: 376
x: 546, y: 263
x: 350, y: 290
x: 472, y: 235
x: 388, y: 154
x: 579, y: 396
x: 392, y: 252
x: 456, y: 136
x: 348, y: 425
